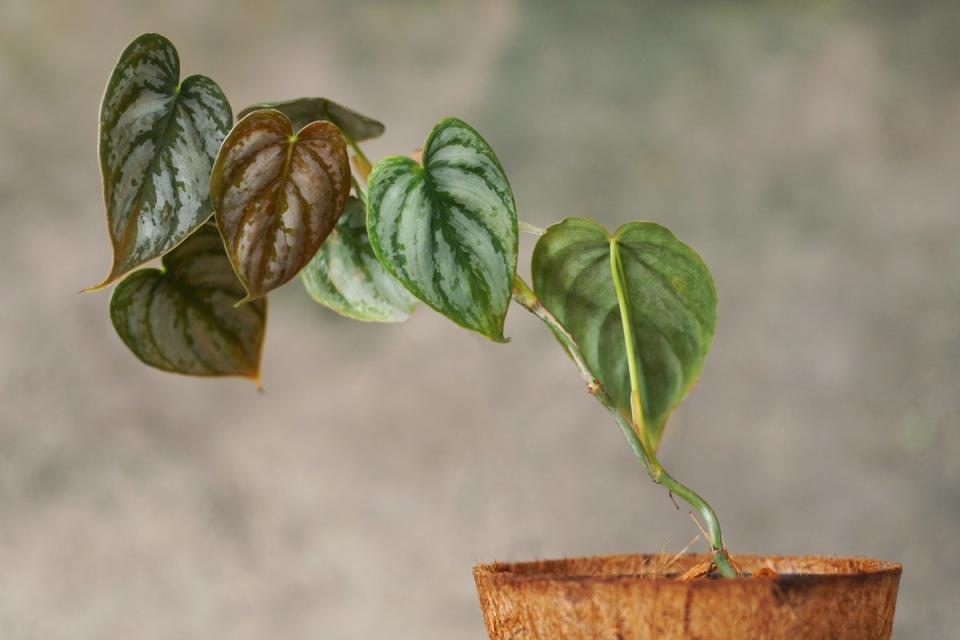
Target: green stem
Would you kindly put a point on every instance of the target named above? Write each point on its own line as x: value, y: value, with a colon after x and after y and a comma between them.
x: 526, y: 227
x: 710, y: 521
x: 358, y: 190
x: 359, y: 153
x: 526, y: 298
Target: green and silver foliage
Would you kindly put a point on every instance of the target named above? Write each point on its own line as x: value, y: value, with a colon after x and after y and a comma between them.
x: 183, y: 318
x: 448, y: 229
x: 303, y: 111
x: 671, y: 300
x: 158, y: 141
x: 277, y: 195
x: 346, y: 276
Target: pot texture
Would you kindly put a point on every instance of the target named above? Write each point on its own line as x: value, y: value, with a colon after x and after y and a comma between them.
x: 637, y: 597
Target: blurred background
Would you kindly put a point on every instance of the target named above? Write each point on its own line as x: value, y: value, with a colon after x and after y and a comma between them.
x: 809, y: 151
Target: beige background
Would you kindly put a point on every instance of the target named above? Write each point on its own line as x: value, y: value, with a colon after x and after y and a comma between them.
x: 811, y: 154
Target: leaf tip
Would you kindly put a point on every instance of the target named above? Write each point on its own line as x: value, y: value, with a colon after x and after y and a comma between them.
x: 103, y: 285
x: 250, y: 297
x: 497, y: 337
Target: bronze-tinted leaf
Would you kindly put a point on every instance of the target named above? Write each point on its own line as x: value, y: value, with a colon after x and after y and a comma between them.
x: 277, y: 195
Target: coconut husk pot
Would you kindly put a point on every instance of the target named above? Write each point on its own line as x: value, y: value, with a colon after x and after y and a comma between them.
x: 635, y: 597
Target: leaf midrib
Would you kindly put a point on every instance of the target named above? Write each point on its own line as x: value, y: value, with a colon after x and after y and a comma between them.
x: 135, y: 224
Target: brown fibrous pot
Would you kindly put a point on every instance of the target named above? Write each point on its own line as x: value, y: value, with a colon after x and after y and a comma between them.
x: 635, y: 597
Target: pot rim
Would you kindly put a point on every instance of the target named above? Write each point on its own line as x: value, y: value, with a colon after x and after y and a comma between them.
x: 812, y: 568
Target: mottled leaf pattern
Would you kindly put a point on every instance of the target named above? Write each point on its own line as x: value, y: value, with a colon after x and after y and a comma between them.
x: 672, y: 308
x: 346, y: 276
x: 183, y: 318
x: 448, y: 229
x: 277, y: 195
x: 158, y: 140
x: 303, y: 111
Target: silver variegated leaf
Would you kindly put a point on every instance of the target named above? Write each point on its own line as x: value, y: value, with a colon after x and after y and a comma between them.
x: 277, y: 195
x: 448, y: 229
x: 303, y: 111
x: 183, y: 318
x: 345, y: 275
x: 158, y: 141
x: 671, y: 299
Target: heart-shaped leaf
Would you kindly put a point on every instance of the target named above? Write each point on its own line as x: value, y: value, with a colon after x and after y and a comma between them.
x: 346, y: 276
x: 158, y: 140
x: 277, y: 195
x: 183, y: 318
x: 303, y: 111
x: 448, y: 229
x: 672, y: 307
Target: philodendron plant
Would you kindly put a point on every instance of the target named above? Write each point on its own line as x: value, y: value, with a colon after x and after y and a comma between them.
x: 236, y: 209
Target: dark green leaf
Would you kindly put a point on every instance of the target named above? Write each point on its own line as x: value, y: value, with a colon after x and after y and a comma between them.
x: 303, y: 111
x: 183, y: 318
x: 448, y: 229
x: 672, y: 303
x: 158, y: 140
x: 346, y: 276
x: 277, y: 195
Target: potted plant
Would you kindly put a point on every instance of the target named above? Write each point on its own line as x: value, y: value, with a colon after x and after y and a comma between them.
x: 237, y: 209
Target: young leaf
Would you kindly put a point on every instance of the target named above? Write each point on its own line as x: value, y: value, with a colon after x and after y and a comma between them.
x: 672, y: 305
x: 158, y: 139
x: 277, y: 195
x: 448, y: 229
x: 183, y: 318
x: 346, y: 277
x: 303, y: 111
